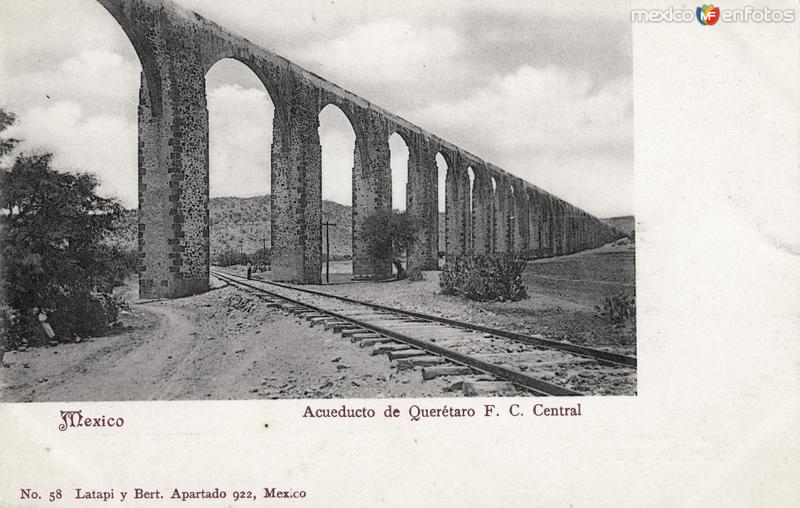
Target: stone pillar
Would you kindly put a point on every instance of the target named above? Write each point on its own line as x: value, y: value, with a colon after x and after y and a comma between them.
x: 422, y: 203
x: 572, y: 237
x: 560, y: 227
x: 565, y: 219
x: 533, y: 227
x: 566, y: 232
x: 464, y: 212
x: 500, y: 222
x: 584, y: 232
x: 523, y: 218
x: 431, y: 259
x: 372, y: 190
x: 538, y: 220
x: 173, y: 179
x: 457, y: 212
x: 482, y: 213
x: 296, y: 231
x: 555, y: 234
x: 549, y: 226
x: 541, y: 212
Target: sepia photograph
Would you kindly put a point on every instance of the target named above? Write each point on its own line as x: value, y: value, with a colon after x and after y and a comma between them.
x: 208, y: 201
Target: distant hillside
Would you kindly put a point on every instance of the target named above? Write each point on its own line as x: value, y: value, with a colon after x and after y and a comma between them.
x: 625, y: 224
x: 247, y: 221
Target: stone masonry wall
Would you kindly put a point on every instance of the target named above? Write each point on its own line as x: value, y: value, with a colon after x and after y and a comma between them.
x: 176, y: 47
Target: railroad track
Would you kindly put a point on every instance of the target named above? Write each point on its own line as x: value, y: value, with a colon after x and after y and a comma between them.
x: 485, y: 361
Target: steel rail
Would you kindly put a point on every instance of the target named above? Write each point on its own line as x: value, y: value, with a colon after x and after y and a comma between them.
x: 532, y: 384
x: 597, y: 354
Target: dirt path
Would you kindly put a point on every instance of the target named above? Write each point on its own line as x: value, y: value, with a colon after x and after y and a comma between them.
x: 219, y: 345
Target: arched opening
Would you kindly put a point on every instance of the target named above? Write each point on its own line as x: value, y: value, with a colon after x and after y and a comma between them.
x: 511, y: 220
x: 337, y: 138
x: 441, y: 178
x: 493, y: 217
x: 240, y: 121
x: 399, y: 164
x: 471, y: 175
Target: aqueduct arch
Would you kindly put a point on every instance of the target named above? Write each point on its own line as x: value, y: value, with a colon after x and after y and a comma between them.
x: 176, y: 48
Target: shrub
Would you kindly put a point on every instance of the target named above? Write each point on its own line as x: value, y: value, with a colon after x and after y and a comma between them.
x: 617, y: 308
x: 117, y: 264
x: 86, y: 316
x: 261, y: 257
x: 485, y: 278
x: 232, y: 257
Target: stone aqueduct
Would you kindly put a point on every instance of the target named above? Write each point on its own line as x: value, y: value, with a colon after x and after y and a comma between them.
x: 176, y: 47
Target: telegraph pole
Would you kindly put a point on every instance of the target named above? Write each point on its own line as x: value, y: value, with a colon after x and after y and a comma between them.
x: 328, y: 250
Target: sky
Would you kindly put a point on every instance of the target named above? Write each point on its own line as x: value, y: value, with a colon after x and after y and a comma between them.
x: 534, y: 88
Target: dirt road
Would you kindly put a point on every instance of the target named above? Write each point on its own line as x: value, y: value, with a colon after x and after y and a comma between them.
x: 216, y: 346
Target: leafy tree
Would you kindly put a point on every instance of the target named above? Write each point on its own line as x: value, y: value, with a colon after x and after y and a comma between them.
x: 391, y: 234
x: 52, y: 226
x: 6, y: 144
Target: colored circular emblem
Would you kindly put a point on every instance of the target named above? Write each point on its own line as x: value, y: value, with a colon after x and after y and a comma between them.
x: 708, y: 14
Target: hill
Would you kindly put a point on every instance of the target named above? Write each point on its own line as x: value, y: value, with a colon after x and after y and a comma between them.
x: 245, y: 223
x: 625, y: 224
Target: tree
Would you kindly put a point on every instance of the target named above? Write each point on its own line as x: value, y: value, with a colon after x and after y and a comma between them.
x: 390, y: 235
x: 6, y: 144
x: 52, y: 227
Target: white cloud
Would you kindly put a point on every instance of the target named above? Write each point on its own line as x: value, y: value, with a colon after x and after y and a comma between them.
x: 240, y: 140
x: 548, y: 119
x: 101, y: 144
x: 384, y: 52
x: 538, y: 109
x: 82, y: 109
x: 100, y: 80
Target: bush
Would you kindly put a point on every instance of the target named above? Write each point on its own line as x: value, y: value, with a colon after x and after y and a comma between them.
x: 485, y: 278
x: 86, y: 316
x: 261, y: 257
x: 232, y: 257
x: 617, y: 308
x: 117, y: 265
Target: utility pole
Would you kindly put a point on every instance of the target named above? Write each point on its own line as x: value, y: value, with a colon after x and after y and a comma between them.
x: 328, y: 250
